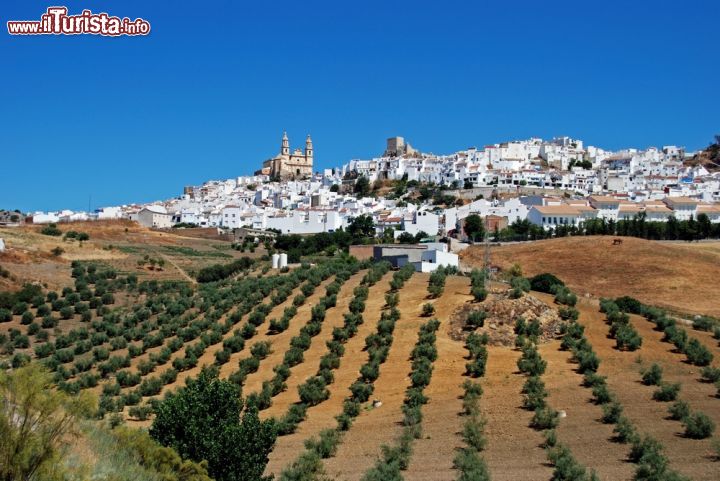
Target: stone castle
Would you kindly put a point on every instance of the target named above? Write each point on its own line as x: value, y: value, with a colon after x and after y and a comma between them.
x: 290, y: 165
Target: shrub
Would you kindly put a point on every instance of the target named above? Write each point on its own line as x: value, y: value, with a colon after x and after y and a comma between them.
x: 534, y: 393
x: 294, y: 416
x: 325, y: 445
x: 565, y: 296
x: 428, y: 309
x: 471, y: 466
x: 587, y: 361
x: 313, y: 391
x: 544, y: 418
x: 361, y: 391
x: 168, y: 376
x: 566, y: 466
x: 293, y: 356
x: 645, y: 449
x: 698, y: 426
x: 222, y: 356
x: 698, y: 354
x: 711, y: 374
x: 260, y: 350
x: 27, y: 318
x: 479, y: 293
x: 629, y: 304
x: 628, y: 338
x: 612, y: 412
x: 703, y: 323
x: 679, y: 410
x: 531, y: 363
x: 140, y: 413
x: 473, y: 434
x: 602, y: 394
x: 545, y: 283
x: 247, y: 331
x: 476, y: 368
x: 667, y: 392
x: 475, y: 320
x: 568, y: 313
x: 624, y: 431
x: 652, y: 376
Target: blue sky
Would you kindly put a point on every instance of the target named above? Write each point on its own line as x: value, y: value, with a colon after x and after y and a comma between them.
x: 208, y: 93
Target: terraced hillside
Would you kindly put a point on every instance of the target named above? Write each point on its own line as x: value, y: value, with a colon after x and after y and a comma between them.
x: 379, y: 374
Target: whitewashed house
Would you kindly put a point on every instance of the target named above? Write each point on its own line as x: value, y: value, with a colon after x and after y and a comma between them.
x: 683, y: 207
x: 154, y: 216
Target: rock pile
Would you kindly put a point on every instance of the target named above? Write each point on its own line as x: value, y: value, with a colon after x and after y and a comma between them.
x: 502, y: 311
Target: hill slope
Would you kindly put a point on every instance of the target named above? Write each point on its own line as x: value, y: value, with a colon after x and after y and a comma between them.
x: 673, y: 275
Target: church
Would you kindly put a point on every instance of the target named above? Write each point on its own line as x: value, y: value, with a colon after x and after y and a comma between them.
x: 287, y: 165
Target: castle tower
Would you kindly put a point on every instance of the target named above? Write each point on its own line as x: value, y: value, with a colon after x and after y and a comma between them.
x: 285, y: 147
x: 308, y: 149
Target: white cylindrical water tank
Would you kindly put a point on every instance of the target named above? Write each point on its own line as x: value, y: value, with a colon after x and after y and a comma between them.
x: 275, y: 261
x: 283, y: 260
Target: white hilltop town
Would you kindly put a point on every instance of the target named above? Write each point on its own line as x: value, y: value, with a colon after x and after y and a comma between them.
x: 549, y: 183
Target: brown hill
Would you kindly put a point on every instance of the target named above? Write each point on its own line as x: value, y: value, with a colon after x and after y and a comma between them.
x: 708, y: 158
x: 677, y: 276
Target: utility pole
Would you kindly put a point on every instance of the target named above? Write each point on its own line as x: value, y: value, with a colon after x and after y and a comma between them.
x: 486, y: 257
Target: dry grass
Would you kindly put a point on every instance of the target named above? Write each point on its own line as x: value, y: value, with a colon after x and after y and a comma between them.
x: 677, y: 276
x: 120, y: 244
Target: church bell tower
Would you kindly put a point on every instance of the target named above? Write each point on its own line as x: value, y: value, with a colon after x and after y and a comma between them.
x: 308, y: 149
x: 285, y: 147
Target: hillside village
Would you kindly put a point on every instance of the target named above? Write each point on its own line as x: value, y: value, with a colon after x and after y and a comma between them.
x: 560, y: 182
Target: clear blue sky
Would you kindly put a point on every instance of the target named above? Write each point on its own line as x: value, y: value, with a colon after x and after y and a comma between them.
x: 208, y: 93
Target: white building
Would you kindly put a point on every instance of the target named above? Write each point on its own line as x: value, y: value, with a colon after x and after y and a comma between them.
x: 154, y: 216
x: 683, y: 207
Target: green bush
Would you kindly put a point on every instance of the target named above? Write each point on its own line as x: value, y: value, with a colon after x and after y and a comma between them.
x: 544, y: 418
x: 565, y: 296
x: 698, y: 426
x: 361, y: 391
x: 629, y: 304
x: 624, y: 431
x: 471, y: 466
x: 531, y: 363
x: 679, y: 410
x: 628, y: 338
x: 566, y: 466
x: 601, y: 394
x: 534, y: 393
x: 653, y: 375
x: 710, y: 374
x: 545, y: 282
x: 473, y: 433
x: 704, y: 323
x: 475, y: 319
x: 698, y: 354
x: 428, y: 309
x: 667, y: 392
x: 479, y: 293
x: 313, y: 391
x: 612, y: 412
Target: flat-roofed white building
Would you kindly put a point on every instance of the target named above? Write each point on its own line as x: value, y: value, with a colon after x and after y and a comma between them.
x: 683, y: 207
x: 552, y: 216
x: 607, y: 207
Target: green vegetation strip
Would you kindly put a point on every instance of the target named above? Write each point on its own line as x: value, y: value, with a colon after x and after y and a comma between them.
x: 646, y: 452
x: 468, y: 462
x: 309, y: 465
